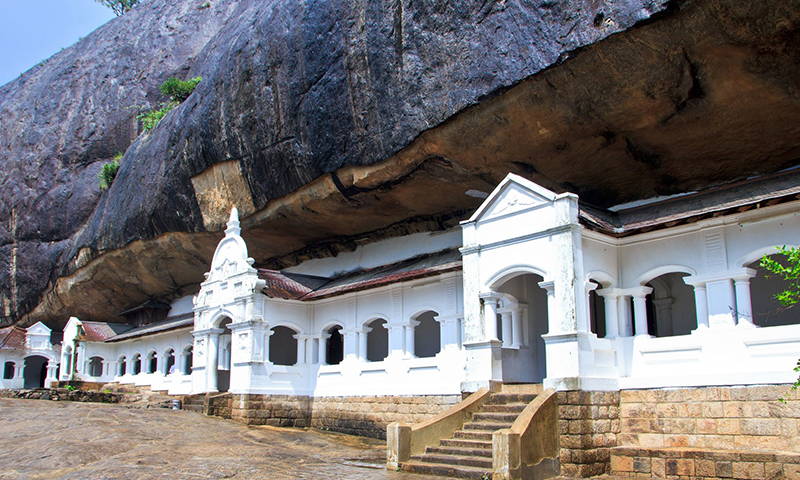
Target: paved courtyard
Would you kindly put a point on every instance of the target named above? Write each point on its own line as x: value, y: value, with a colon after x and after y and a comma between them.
x: 66, y: 440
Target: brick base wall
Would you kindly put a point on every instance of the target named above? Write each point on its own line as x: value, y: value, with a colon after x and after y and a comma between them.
x: 696, y: 464
x: 588, y: 426
x: 218, y: 405
x: 719, y: 418
x: 366, y: 415
x: 369, y: 416
x: 275, y: 410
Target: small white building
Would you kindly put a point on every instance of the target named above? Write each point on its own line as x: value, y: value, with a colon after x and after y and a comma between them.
x: 533, y: 288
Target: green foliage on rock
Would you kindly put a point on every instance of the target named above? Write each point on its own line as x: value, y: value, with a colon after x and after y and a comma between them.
x: 118, y: 6
x: 179, y: 90
x: 109, y: 172
x: 789, y: 270
x: 151, y: 118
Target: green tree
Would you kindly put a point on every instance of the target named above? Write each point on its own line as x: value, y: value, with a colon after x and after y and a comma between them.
x: 789, y: 270
x: 118, y: 6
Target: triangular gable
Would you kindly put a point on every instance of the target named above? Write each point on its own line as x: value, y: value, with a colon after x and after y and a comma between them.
x: 512, y: 195
x: 38, y: 328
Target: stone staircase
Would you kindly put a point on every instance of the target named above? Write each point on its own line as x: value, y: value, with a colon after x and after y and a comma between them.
x: 194, y: 403
x: 468, y: 454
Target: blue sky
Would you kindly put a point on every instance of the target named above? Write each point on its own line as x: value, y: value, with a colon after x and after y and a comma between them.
x: 33, y: 30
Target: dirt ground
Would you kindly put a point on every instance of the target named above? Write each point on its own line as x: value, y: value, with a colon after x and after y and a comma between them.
x: 65, y: 440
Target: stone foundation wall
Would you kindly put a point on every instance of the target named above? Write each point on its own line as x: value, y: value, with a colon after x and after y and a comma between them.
x: 218, y: 405
x: 369, y: 416
x: 691, y: 464
x: 275, y: 410
x: 719, y: 418
x: 588, y: 426
x: 366, y: 416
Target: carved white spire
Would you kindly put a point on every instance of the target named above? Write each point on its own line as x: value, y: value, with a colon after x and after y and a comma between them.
x: 233, y: 224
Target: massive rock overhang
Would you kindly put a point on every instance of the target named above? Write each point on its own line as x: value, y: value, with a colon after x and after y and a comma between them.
x: 698, y: 99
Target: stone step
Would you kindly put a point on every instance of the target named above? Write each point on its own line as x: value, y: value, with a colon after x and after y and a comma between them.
x: 460, y: 451
x: 465, y: 461
x: 507, y: 398
x: 446, y: 470
x: 194, y: 408
x: 494, y: 417
x: 534, y: 388
x: 464, y: 443
x: 473, y: 435
x: 489, y: 426
x: 509, y: 408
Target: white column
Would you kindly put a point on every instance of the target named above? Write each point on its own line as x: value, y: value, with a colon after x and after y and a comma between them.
x: 744, y: 307
x: 505, y: 325
x: 301, y: 349
x: 490, y: 316
x: 553, y: 312
x: 212, y: 362
x: 409, y: 331
x: 701, y: 305
x: 610, y: 296
x: 51, y: 374
x: 362, y: 343
x: 516, y: 327
x: 323, y: 348
x: 640, y: 310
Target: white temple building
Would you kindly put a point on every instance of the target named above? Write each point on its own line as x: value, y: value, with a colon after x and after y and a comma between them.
x: 533, y: 288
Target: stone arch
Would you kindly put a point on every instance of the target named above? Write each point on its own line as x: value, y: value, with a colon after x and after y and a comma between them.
x: 604, y: 279
x: 767, y: 311
x: 283, y: 345
x: 427, y: 333
x: 524, y: 317
x: 96, y: 366
x: 35, y: 370
x: 122, y: 365
x: 334, y: 343
x: 596, y: 303
x: 187, y: 354
x: 151, y: 362
x: 377, y: 339
x: 136, y: 363
x: 169, y: 360
x: 372, y: 317
x: 663, y: 270
x: 757, y: 254
x: 671, y: 308
x: 508, y: 273
x: 8, y: 370
x: 221, y: 316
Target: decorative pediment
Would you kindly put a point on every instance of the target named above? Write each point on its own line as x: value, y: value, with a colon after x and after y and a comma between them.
x: 514, y: 194
x: 230, y: 258
x: 38, y: 329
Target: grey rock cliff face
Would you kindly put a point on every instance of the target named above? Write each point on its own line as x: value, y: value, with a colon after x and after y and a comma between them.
x: 328, y: 122
x: 291, y: 90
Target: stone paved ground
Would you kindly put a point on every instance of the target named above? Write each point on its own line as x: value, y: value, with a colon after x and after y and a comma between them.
x: 65, y: 440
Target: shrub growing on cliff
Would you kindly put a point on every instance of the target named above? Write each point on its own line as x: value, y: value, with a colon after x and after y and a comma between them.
x: 109, y: 171
x: 789, y: 271
x: 118, y: 6
x: 177, y: 91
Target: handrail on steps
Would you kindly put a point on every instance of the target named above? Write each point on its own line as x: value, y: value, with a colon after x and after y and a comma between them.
x: 530, y: 448
x: 404, y: 440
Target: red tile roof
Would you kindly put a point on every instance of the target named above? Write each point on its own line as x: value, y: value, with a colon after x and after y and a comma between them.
x: 101, y: 331
x: 304, y: 287
x: 12, y: 338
